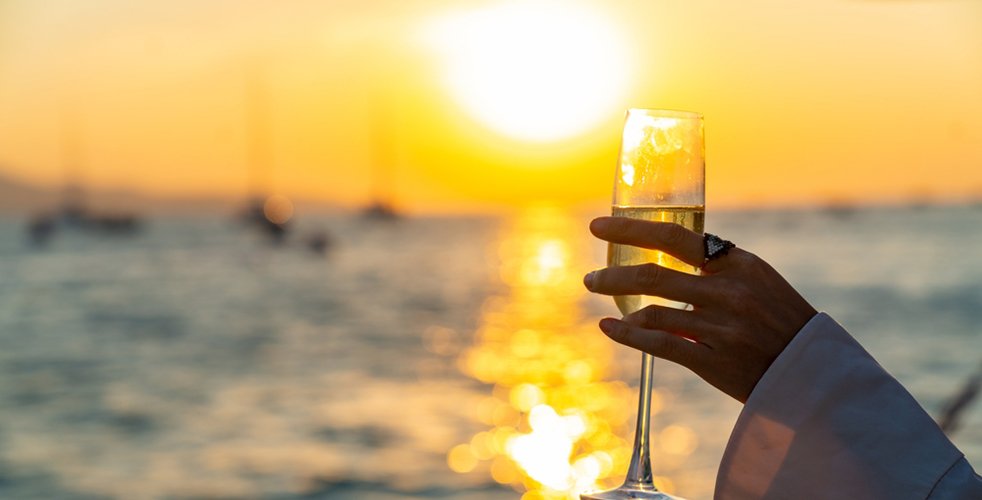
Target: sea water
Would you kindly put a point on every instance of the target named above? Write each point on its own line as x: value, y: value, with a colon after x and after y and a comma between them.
x: 197, y: 360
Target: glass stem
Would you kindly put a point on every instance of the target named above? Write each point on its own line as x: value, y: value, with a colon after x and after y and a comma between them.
x: 639, y: 473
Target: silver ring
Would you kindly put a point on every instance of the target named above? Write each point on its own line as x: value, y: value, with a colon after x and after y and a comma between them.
x: 714, y: 247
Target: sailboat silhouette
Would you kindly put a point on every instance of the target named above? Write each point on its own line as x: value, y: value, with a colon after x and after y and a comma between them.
x: 259, y: 161
x: 381, y: 207
x: 73, y: 211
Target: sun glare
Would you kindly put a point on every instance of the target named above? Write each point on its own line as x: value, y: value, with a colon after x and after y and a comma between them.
x: 556, y: 416
x: 538, y: 71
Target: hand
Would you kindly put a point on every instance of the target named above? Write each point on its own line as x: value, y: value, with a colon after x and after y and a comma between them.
x: 743, y: 312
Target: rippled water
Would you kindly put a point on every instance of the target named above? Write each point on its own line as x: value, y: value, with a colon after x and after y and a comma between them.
x: 197, y: 361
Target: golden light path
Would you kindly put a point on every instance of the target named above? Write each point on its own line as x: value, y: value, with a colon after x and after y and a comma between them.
x: 536, y: 70
x: 558, y: 419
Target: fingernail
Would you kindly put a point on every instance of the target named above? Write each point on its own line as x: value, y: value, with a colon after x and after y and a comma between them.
x: 598, y: 224
x: 588, y: 280
x: 607, y: 325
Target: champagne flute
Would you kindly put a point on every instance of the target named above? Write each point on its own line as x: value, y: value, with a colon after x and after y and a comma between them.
x: 660, y: 177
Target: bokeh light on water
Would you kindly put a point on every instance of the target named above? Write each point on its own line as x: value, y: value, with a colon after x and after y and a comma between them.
x: 559, y: 418
x: 197, y: 360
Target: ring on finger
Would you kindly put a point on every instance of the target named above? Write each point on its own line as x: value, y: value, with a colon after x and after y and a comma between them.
x: 714, y: 247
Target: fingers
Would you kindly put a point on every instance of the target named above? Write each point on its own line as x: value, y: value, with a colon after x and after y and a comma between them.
x: 655, y: 342
x: 677, y: 321
x: 647, y: 279
x: 670, y: 238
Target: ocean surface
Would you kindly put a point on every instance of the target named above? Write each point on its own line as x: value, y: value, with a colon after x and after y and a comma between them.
x: 423, y: 358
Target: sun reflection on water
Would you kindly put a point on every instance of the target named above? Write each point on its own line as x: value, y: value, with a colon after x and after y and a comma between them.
x: 558, y: 418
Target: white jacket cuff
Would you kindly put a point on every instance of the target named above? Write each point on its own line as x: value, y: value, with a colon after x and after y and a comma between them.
x: 826, y: 421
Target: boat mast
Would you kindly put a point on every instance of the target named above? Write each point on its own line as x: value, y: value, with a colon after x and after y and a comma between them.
x: 259, y: 158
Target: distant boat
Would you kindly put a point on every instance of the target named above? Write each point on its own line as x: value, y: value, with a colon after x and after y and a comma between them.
x: 75, y: 214
x: 262, y: 212
x: 380, y: 211
x: 73, y: 211
x: 318, y: 242
x: 43, y: 226
x: 256, y: 215
x: 40, y: 229
x: 839, y: 209
x: 386, y: 156
x: 275, y: 231
x: 119, y: 224
x: 252, y: 213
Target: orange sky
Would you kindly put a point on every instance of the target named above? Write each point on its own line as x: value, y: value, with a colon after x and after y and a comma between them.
x: 804, y: 101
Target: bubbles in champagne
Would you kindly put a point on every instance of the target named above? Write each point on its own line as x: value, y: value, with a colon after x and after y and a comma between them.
x: 690, y: 217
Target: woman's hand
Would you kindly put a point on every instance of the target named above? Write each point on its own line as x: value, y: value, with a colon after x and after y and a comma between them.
x: 743, y: 312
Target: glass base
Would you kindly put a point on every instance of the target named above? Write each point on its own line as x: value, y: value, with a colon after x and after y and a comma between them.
x: 628, y: 494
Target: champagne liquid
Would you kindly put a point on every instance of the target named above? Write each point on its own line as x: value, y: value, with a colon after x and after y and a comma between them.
x: 691, y: 217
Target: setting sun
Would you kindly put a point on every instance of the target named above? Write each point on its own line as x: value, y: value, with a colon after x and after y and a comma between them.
x: 540, y: 71
x: 470, y: 106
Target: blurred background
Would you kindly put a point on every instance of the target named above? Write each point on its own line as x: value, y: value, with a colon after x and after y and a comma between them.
x: 333, y: 249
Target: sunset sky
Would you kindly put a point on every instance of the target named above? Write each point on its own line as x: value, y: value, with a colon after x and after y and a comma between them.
x: 488, y: 105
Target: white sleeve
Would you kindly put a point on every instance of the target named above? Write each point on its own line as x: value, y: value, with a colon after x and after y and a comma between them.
x: 827, y: 421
